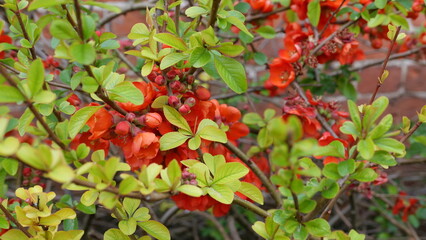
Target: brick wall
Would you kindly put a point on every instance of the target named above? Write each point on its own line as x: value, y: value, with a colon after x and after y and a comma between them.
x: 405, y: 87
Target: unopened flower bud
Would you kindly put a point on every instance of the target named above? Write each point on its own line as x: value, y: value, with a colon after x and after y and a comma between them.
x: 202, y: 93
x: 184, y: 109
x: 26, y: 172
x: 151, y: 77
x: 35, y: 180
x: 122, y: 128
x: 171, y: 74
x: 130, y: 117
x: 176, y: 85
x: 25, y: 182
x: 190, y: 101
x: 38, y: 172
x: 160, y: 80
x: 153, y: 120
x: 193, y: 182
x: 173, y: 101
x: 190, y: 79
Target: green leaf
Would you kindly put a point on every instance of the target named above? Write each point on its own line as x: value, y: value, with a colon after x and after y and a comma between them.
x: 195, y: 11
x: 252, y: 192
x: 171, y: 40
x: 89, y: 26
x: 44, y: 97
x: 365, y: 148
x: 114, y: 234
x: 259, y: 228
x: 390, y: 145
x: 172, y: 140
x: 330, y: 188
x: 252, y: 118
x: 14, y: 234
x: 346, y: 167
x: 126, y: 92
x: 229, y: 172
x: 155, y: 229
x: 212, y: 133
x: 128, y: 227
x: 376, y: 21
x: 260, y: 58
x: 128, y: 185
x: 365, y: 175
x: 354, y: 112
x: 383, y: 127
x: 36, y: 4
x: 380, y: 4
x: 356, y: 236
x: 10, y: 165
x: 171, y: 60
x: 62, y: 29
x: 330, y: 171
x: 232, y: 72
x: 349, y: 127
x: 384, y: 158
x: 190, y: 190
x: 10, y: 94
x: 147, y: 68
x: 9, y: 146
x: 79, y: 119
x: 36, y: 76
x: 222, y: 193
x: 239, y: 24
x: 175, y: 118
x: 314, y: 12
x: 199, y: 57
x: 318, y: 227
x: 230, y: 50
x: 307, y: 205
x: 267, y: 32
x: 83, y: 53
x: 194, y: 143
x: 108, y: 7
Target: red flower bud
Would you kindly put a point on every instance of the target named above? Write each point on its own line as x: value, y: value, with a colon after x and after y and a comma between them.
x: 171, y: 74
x: 122, y: 128
x: 35, y: 180
x: 151, y: 77
x: 175, y: 85
x: 190, y: 79
x: 190, y: 101
x: 74, y: 100
x: 184, y: 109
x: 25, y: 182
x: 130, y: 117
x: 153, y: 120
x: 174, y: 101
x: 160, y: 80
x: 38, y: 172
x: 202, y: 93
x: 26, y: 172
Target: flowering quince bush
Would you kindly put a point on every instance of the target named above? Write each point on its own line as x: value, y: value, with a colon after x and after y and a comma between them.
x: 138, y: 141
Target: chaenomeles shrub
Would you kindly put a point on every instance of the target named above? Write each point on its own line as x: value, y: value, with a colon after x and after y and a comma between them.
x: 119, y: 137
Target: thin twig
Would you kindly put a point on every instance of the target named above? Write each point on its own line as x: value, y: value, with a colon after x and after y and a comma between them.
x: 79, y: 20
x: 320, y: 118
x: 322, y: 43
x: 12, y: 219
x: 134, y: 7
x: 216, y: 223
x: 129, y: 64
x: 412, y: 130
x: 263, y: 178
x: 250, y: 206
x: 385, y: 63
x: 265, y: 15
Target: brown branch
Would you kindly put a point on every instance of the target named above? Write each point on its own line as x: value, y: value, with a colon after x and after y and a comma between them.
x: 216, y: 223
x: 250, y: 206
x: 385, y: 63
x: 79, y: 20
x: 263, y: 178
x: 213, y: 15
x: 12, y: 219
x: 265, y: 15
x: 24, y: 32
x: 322, y: 43
x: 330, y: 18
x: 37, y: 115
x: 412, y: 130
x: 134, y: 7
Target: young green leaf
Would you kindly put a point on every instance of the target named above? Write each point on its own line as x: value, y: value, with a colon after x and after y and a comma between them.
x: 126, y: 92
x: 199, y: 57
x: 83, y: 53
x: 10, y: 94
x: 251, y: 191
x: 175, y: 118
x: 171, y: 40
x: 229, y: 172
x: 366, y: 148
x: 365, y: 175
x: 232, y: 73
x: 318, y: 227
x: 221, y: 192
x: 171, y: 60
x: 79, y: 119
x: 172, y: 140
x: 213, y: 133
x: 155, y: 229
x: 36, y: 76
x: 314, y: 12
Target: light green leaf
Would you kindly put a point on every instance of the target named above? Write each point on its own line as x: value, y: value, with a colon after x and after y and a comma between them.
x: 62, y: 29
x: 108, y: 7
x: 230, y: 49
x: 128, y: 227
x: 36, y: 76
x: 251, y: 191
x: 366, y: 148
x: 267, y: 32
x: 190, y: 190
x: 318, y: 227
x: 239, y: 24
x: 314, y: 12
x: 222, y: 193
x: 44, y: 97
x: 10, y: 165
x: 36, y: 4
x: 194, y: 143
x: 199, y: 57
x: 14, y: 234
x: 365, y: 175
x: 390, y: 145
x: 83, y: 53
x: 79, y: 119
x: 155, y: 229
x: 171, y: 40
x: 213, y: 133
x: 10, y: 94
x: 353, y: 111
x: 232, y: 73
x: 171, y: 60
x: 128, y: 185
x: 175, y: 118
x: 195, y: 11
x: 380, y: 4
x: 229, y: 172
x: 172, y: 140
x: 126, y: 92
x: 114, y: 234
